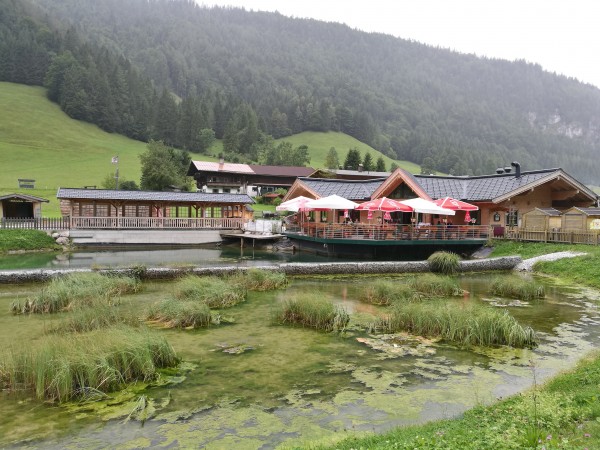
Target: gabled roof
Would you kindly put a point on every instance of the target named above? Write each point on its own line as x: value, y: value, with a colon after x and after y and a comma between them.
x: 28, y: 198
x: 251, y: 169
x: 158, y: 196
x: 495, y: 188
x: 401, y: 175
x: 587, y: 211
x: 547, y: 211
x: 349, y: 189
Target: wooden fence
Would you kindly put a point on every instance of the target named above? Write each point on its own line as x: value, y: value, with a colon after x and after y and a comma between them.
x: 590, y: 237
x: 41, y: 223
x: 123, y: 223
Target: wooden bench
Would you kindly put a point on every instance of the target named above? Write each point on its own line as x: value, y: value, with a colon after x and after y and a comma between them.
x: 26, y: 183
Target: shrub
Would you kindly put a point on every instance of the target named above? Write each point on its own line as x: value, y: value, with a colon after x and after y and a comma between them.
x: 173, y: 313
x: 63, y: 367
x: 260, y: 280
x: 447, y: 263
x: 77, y: 290
x: 468, y: 325
x: 517, y: 287
x: 310, y: 310
x: 215, y: 292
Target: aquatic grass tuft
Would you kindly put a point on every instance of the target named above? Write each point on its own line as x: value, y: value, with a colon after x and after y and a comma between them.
x: 447, y: 263
x: 430, y: 285
x: 310, y: 310
x: 385, y: 293
x: 215, y: 292
x: 95, y: 317
x: 77, y: 290
x: 467, y: 325
x: 517, y: 287
x: 260, y: 279
x: 174, y: 313
x: 64, y: 367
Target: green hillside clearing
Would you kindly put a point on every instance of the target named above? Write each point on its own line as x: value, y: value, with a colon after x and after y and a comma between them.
x: 38, y: 141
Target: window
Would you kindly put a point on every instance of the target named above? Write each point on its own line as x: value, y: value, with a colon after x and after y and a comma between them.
x: 512, y: 218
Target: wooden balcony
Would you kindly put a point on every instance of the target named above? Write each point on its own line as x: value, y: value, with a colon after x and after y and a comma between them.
x: 151, y: 223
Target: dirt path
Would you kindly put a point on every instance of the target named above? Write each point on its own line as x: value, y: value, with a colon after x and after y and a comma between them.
x: 527, y: 265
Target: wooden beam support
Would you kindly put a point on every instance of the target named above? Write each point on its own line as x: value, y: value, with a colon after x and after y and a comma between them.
x: 564, y: 195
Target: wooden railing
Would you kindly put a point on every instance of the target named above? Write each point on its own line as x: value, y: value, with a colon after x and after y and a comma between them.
x: 389, y: 232
x: 589, y: 237
x: 41, y: 223
x: 140, y: 223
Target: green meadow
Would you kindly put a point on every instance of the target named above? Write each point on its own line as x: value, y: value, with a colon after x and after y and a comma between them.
x: 38, y: 141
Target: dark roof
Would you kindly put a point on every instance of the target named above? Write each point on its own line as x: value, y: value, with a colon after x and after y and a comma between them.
x: 589, y: 211
x: 349, y: 189
x: 282, y: 171
x: 548, y: 211
x: 30, y: 198
x: 183, y: 197
x: 478, y: 188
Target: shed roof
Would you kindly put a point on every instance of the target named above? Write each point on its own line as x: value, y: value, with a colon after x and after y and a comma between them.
x: 552, y: 212
x: 29, y: 198
x: 587, y: 211
x: 175, y: 197
x: 251, y: 169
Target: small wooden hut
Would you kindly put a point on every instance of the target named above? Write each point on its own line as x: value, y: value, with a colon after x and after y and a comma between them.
x: 542, y: 219
x: 21, y: 206
x: 583, y: 219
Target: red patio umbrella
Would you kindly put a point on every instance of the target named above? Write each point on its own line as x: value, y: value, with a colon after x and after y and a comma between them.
x: 383, y: 204
x: 455, y: 205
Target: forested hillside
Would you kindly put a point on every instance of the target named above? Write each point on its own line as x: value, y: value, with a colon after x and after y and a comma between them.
x: 171, y: 70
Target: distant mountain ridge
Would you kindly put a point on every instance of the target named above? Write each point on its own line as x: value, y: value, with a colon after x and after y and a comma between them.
x: 244, y: 73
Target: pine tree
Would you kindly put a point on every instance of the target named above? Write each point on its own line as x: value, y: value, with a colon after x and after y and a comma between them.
x: 332, y: 160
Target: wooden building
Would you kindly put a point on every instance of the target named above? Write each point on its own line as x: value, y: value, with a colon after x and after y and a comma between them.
x: 99, y: 208
x: 581, y: 219
x: 543, y: 219
x: 21, y: 206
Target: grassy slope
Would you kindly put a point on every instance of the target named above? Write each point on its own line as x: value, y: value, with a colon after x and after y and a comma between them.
x: 320, y: 143
x: 39, y: 141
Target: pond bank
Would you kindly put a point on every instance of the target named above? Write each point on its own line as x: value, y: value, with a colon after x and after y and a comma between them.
x: 335, y: 268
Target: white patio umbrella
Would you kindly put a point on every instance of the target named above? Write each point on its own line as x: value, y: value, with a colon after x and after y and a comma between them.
x: 331, y: 202
x: 421, y: 205
x: 294, y: 204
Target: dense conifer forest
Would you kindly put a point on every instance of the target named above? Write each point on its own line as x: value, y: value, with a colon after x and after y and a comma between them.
x: 173, y: 71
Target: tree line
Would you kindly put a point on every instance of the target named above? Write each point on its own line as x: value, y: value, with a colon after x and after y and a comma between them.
x: 173, y: 71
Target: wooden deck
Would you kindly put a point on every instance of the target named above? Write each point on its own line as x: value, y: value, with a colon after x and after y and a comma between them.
x: 125, y: 223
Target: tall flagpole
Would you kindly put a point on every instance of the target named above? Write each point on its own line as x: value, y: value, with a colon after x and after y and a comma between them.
x: 115, y: 160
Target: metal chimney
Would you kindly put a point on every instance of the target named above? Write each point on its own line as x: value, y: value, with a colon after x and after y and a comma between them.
x: 517, y: 167
x: 507, y: 169
x: 499, y: 170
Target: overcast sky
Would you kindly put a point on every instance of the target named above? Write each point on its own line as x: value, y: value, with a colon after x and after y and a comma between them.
x: 561, y: 36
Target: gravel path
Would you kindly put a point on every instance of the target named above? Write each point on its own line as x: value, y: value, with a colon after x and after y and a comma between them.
x: 527, y: 265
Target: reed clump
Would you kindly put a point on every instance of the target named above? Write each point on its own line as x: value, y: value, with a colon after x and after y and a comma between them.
x: 174, y: 313
x: 95, y: 317
x: 386, y: 292
x: 468, y: 325
x: 310, y: 310
x: 65, y: 367
x: 447, y: 263
x: 430, y: 285
x: 517, y: 287
x: 215, y: 292
x: 260, y: 280
x: 77, y: 290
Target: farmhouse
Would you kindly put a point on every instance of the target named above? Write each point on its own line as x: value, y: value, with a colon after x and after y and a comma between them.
x: 222, y: 177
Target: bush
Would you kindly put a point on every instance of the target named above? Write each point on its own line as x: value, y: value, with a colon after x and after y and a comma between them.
x: 309, y: 310
x: 215, y: 292
x: 77, y: 290
x: 447, y: 263
x: 173, y: 313
x: 63, y: 367
x: 468, y: 325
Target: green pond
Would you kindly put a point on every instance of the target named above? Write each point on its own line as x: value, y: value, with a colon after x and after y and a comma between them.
x: 296, y: 386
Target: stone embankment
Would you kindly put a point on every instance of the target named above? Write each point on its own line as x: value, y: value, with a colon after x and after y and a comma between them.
x: 336, y: 268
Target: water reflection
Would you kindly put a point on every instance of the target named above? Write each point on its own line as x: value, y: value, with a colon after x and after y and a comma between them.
x: 201, y: 256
